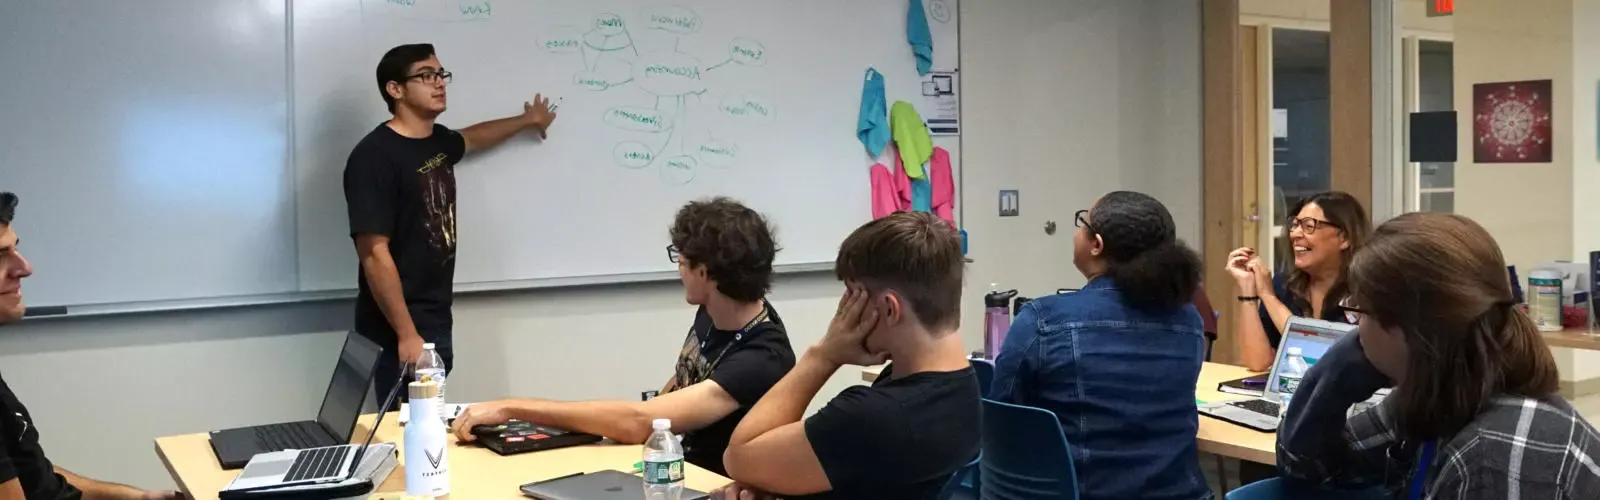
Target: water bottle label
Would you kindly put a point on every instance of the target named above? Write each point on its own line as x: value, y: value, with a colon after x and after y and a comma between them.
x: 663, y: 472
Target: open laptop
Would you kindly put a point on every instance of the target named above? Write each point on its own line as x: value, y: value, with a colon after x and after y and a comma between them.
x: 308, y: 466
x: 336, y: 421
x: 1313, y: 337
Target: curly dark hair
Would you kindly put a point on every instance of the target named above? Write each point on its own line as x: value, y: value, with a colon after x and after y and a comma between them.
x: 734, y: 243
x: 1152, y: 269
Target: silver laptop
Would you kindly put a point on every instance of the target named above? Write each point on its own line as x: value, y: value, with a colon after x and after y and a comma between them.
x: 326, y: 464
x: 602, y: 485
x: 1312, y: 338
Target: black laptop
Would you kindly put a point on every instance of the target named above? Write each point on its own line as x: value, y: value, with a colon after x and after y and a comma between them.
x: 352, y: 376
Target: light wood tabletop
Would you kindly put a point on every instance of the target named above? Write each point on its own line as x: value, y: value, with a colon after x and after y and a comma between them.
x: 1575, y: 338
x: 1215, y: 436
x: 475, y: 472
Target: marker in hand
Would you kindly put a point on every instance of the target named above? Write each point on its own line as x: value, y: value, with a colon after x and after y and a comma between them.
x: 556, y: 104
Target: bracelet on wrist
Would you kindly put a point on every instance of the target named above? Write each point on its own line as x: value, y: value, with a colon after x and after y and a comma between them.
x: 1249, y: 298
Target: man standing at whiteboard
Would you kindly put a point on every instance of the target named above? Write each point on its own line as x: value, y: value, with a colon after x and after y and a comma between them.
x: 400, y: 188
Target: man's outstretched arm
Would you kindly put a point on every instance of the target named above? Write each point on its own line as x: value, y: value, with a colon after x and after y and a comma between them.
x: 535, y: 115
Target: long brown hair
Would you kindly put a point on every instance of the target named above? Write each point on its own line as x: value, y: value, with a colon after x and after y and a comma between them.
x: 1441, y: 280
x: 1347, y: 216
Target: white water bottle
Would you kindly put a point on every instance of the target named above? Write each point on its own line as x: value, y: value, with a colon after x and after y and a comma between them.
x: 427, y: 443
x: 431, y: 368
x: 663, y: 463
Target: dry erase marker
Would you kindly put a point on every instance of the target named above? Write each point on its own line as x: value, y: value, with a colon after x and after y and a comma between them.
x: 556, y: 104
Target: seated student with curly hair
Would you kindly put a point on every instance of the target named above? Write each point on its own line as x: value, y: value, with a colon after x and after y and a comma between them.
x: 736, y: 349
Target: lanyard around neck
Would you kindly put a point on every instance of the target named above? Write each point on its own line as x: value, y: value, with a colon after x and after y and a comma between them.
x: 1422, y: 470
x: 738, y: 336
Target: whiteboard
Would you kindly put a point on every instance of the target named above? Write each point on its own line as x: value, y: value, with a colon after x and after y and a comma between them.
x: 660, y: 103
x: 175, y: 154
x: 148, y: 141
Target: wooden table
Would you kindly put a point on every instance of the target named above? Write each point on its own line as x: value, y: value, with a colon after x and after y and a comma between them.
x: 1215, y: 436
x: 475, y: 472
x: 1575, y: 338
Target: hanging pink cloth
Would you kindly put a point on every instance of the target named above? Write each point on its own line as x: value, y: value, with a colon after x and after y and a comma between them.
x: 891, y: 187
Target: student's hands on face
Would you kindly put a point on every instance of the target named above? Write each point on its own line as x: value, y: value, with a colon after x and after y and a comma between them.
x: 846, y: 340
x: 736, y: 491
x: 491, y: 413
x: 537, y: 114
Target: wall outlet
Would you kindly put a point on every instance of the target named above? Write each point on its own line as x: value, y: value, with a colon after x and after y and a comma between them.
x: 1010, y: 203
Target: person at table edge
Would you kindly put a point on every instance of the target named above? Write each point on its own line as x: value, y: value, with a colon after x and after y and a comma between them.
x: 25, y: 471
x: 1325, y: 230
x: 736, y: 349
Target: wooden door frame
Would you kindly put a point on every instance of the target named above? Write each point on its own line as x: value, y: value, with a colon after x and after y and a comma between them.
x: 1222, y: 165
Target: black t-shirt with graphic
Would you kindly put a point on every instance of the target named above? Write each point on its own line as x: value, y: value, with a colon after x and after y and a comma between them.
x: 900, y: 438
x: 23, y: 458
x: 405, y: 189
x: 745, y: 363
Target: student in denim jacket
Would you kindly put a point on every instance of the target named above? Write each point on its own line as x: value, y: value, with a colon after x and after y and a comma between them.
x: 1117, y: 361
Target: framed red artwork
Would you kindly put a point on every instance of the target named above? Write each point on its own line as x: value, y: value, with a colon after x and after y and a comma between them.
x: 1511, y: 122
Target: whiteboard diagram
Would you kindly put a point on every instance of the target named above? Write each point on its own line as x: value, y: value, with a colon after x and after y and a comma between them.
x: 664, y: 132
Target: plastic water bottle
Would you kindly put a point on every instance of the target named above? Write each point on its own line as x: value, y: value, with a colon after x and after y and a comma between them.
x: 431, y: 368
x: 1297, y: 362
x: 663, y: 463
x: 1289, y: 377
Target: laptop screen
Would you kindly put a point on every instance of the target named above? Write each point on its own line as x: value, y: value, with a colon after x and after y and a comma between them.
x: 348, y: 390
x: 1313, y: 337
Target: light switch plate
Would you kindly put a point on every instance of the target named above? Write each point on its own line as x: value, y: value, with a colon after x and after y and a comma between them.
x: 1010, y: 203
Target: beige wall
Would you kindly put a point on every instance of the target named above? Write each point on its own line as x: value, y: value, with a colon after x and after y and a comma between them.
x: 1537, y: 212
x: 1527, y: 207
x: 1413, y: 13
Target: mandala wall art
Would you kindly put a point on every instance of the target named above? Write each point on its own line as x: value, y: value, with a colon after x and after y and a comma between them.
x: 1511, y: 122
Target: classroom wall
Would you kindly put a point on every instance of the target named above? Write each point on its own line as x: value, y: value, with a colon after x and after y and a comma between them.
x: 1537, y: 212
x: 1120, y: 109
x: 1585, y: 157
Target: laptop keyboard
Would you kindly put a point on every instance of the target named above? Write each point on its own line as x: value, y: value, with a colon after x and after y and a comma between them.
x: 1261, y: 406
x: 285, y: 437
x: 316, y: 463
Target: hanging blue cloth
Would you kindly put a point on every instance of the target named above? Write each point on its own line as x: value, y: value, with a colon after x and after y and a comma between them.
x: 920, y: 37
x: 873, y: 125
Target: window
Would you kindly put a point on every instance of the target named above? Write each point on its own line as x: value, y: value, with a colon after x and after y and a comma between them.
x: 1300, y: 132
x: 1434, y: 184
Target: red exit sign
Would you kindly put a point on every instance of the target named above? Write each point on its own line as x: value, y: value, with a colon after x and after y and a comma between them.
x: 1441, y: 7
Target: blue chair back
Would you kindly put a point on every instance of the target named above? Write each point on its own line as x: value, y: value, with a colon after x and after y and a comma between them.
x: 1279, y: 488
x: 1025, y: 455
x: 985, y: 370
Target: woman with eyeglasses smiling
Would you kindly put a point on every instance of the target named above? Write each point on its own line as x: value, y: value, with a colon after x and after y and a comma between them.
x: 1474, y: 412
x: 1326, y: 229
